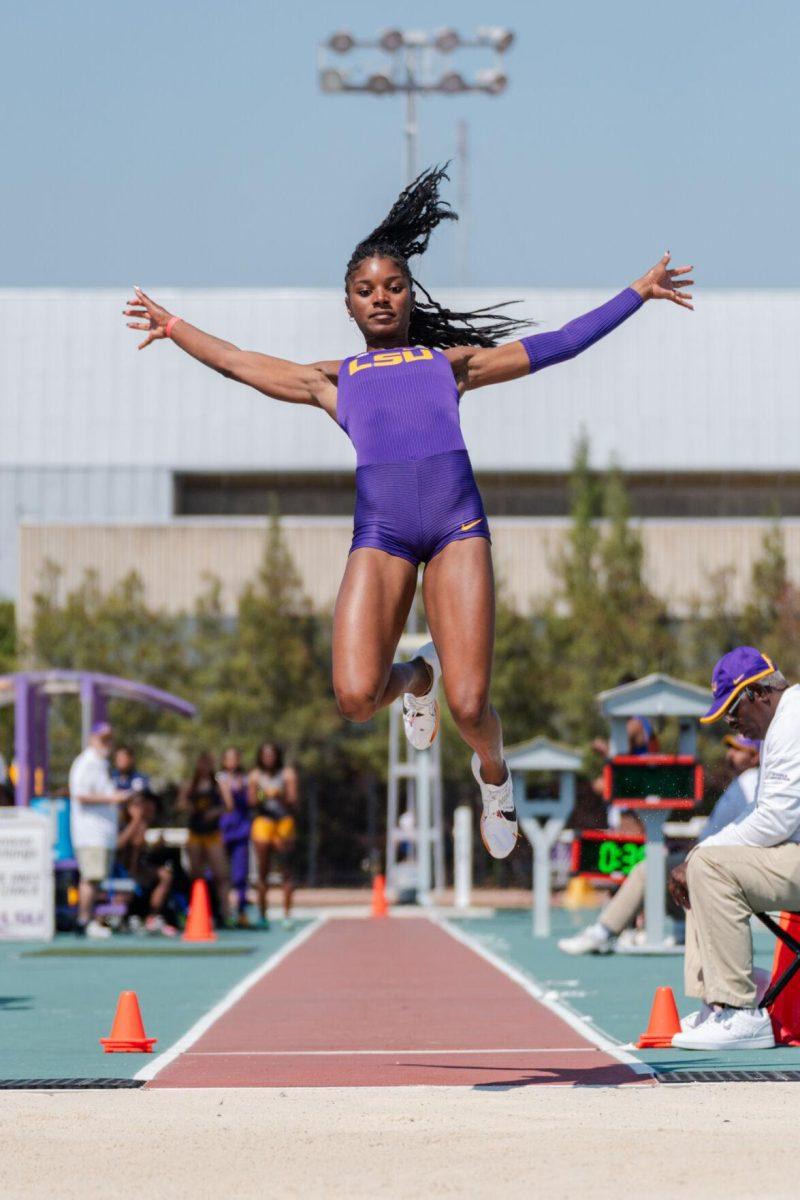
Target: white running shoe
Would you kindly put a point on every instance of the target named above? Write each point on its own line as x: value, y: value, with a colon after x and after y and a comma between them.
x: 421, y: 713
x: 595, y: 939
x: 97, y: 930
x: 729, y: 1029
x: 499, y: 820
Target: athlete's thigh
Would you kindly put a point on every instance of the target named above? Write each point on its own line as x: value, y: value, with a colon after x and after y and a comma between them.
x: 458, y: 590
x: 374, y: 600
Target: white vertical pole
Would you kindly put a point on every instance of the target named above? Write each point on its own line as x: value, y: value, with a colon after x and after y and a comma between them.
x: 541, y: 886
x: 655, y: 863
x: 438, y: 816
x: 393, y: 793
x: 462, y: 228
x: 422, y: 763
x: 462, y: 855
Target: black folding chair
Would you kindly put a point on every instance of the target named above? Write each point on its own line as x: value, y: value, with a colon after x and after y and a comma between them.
x: 772, y: 993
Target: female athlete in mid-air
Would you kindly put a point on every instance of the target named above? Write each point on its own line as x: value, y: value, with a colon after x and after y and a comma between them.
x: 416, y: 497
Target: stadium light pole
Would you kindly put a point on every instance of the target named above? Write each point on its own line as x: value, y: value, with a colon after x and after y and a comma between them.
x: 413, y: 67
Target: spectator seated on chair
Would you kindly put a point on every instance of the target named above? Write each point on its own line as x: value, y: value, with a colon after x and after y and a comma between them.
x: 750, y: 866
x: 150, y: 866
x: 623, y: 909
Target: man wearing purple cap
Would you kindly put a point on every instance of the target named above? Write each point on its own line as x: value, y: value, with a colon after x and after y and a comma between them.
x: 752, y: 865
x: 94, y: 823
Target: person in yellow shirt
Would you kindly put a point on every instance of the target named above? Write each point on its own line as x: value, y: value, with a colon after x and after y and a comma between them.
x: 272, y: 795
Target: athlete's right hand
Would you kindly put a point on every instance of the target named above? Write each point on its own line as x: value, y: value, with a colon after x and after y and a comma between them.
x: 148, y: 315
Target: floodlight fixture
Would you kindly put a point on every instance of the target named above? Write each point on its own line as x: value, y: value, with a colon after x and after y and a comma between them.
x: 491, y: 81
x: 451, y: 83
x: 446, y: 40
x: 391, y: 40
x: 332, y: 81
x: 412, y: 68
x: 495, y: 36
x: 341, y: 41
x: 380, y: 84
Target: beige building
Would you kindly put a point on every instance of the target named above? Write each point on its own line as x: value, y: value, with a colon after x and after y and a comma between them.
x: 682, y: 557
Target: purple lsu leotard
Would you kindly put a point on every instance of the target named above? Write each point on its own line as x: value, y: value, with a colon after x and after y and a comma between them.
x: 415, y: 490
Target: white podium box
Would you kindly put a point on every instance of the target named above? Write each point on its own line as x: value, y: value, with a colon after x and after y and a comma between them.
x: 26, y: 876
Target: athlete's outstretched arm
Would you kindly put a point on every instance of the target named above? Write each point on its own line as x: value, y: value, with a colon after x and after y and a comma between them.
x: 298, y: 383
x: 476, y: 367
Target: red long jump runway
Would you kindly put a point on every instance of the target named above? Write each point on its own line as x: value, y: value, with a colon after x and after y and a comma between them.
x: 367, y: 1003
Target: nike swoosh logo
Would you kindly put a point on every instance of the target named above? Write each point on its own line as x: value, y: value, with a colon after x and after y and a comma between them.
x: 471, y: 524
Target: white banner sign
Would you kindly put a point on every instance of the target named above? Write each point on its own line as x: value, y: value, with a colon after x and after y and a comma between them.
x: 26, y: 875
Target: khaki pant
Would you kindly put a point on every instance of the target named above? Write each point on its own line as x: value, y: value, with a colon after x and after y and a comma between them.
x: 625, y: 905
x: 727, y: 884
x: 94, y: 863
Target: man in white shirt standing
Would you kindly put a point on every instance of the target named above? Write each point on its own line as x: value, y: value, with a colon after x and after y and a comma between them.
x: 752, y: 865
x: 94, y: 805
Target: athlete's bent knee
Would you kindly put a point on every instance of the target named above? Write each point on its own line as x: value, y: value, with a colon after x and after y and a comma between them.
x: 355, y: 705
x: 469, y: 709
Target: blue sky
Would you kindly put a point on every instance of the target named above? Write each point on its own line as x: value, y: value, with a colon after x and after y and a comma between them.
x: 187, y: 143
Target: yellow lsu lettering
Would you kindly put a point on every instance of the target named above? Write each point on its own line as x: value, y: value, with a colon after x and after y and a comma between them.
x: 392, y: 358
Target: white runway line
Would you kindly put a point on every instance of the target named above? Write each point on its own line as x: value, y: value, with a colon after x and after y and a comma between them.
x: 545, y: 998
x: 207, y: 1020
x: 355, y: 1053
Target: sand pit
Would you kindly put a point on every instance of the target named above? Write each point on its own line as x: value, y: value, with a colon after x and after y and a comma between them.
x: 732, y: 1140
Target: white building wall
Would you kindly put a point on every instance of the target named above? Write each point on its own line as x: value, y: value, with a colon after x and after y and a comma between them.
x: 711, y: 390
x: 92, y: 429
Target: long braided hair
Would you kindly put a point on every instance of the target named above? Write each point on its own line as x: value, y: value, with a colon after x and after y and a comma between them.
x: 406, y: 232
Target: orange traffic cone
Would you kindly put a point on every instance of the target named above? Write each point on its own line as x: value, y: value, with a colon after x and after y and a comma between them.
x: 664, y: 1021
x: 785, y: 1012
x: 127, y: 1032
x: 380, y: 905
x: 199, y: 926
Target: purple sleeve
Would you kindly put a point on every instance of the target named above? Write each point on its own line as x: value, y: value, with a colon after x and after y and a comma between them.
x: 547, y: 349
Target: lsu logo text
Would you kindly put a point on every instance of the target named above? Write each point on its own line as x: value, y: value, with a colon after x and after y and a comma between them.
x: 391, y: 358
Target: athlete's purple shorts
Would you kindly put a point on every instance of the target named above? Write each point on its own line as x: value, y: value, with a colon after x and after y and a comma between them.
x: 415, y: 509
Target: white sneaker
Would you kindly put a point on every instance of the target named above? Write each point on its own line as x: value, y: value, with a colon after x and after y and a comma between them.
x: 729, y: 1029
x: 499, y: 820
x: 95, y: 930
x: 595, y: 939
x: 762, y: 981
x: 421, y: 713
x: 696, y: 1018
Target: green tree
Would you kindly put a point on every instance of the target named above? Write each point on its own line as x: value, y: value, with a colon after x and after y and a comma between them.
x: 115, y: 632
x: 8, y: 637
x: 771, y: 617
x: 265, y: 674
x: 604, y: 624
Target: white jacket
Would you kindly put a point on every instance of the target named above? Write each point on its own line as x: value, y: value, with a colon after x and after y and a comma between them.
x: 776, y: 816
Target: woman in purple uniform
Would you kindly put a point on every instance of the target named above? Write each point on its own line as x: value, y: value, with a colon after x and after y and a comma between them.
x: 417, y: 501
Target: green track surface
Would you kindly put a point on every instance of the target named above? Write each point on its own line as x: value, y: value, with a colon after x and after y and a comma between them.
x: 54, y: 1007
x: 614, y: 992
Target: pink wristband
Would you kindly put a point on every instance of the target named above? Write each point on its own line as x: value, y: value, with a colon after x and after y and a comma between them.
x: 170, y: 323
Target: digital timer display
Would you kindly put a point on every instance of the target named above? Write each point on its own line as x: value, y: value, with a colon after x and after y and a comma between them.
x: 637, y: 779
x: 601, y: 855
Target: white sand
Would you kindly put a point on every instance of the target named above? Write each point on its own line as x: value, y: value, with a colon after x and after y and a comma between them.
x: 713, y: 1140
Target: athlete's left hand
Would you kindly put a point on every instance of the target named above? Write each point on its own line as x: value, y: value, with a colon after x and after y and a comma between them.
x: 148, y: 316
x: 662, y: 282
